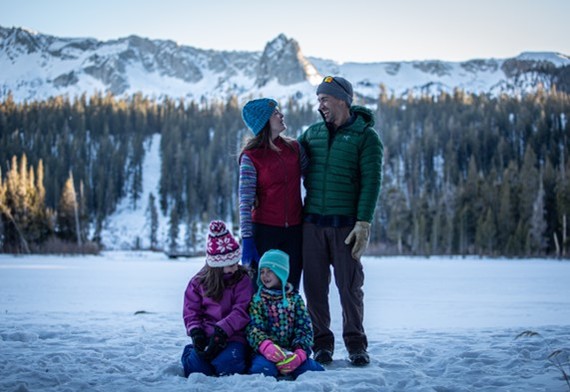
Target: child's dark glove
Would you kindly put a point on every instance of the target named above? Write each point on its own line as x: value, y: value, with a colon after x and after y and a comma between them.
x: 218, y: 341
x: 199, y: 339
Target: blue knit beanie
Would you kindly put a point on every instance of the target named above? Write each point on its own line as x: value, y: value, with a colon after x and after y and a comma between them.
x: 278, y: 262
x: 337, y: 87
x: 257, y: 113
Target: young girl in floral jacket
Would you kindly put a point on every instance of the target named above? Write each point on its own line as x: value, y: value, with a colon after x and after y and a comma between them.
x: 280, y: 330
x: 215, y: 309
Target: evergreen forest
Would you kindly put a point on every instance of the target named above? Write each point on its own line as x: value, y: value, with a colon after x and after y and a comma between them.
x: 463, y: 173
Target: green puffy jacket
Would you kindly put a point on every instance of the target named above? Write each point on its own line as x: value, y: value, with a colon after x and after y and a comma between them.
x: 345, y: 171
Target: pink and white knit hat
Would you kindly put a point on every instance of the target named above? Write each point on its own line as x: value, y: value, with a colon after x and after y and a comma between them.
x: 221, y: 248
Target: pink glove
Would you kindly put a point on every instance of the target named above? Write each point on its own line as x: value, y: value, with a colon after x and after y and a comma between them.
x: 292, y: 362
x: 271, y: 351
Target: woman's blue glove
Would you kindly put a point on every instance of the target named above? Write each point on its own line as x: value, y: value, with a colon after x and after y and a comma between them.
x: 249, y: 252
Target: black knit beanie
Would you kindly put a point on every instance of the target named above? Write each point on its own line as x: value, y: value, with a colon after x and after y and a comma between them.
x: 337, y: 87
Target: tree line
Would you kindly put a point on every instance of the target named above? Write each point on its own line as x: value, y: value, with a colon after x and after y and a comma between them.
x: 463, y: 173
x: 473, y: 174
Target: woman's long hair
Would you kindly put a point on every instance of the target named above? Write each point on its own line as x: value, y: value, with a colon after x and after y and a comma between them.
x: 263, y: 140
x: 212, y: 278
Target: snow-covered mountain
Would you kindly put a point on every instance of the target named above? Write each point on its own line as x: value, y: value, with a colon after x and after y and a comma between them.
x: 37, y: 66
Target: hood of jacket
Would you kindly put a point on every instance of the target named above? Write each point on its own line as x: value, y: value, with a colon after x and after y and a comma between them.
x: 363, y: 114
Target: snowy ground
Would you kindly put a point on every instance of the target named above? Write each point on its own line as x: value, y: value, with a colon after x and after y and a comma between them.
x: 439, y: 324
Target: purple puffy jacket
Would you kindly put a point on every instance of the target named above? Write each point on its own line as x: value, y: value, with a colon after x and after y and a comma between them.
x: 230, y: 313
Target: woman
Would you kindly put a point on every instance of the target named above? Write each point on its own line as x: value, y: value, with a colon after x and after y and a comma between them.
x: 270, y: 168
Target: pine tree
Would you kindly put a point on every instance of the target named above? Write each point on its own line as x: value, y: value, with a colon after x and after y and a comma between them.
x: 40, y: 226
x: 529, y: 187
x: 447, y: 205
x: 83, y: 213
x: 399, y: 218
x: 537, y: 240
x: 471, y: 205
x: 506, y: 223
x: 486, y: 233
x: 68, y: 213
x: 174, y: 230
x: 191, y: 233
x: 563, y: 201
x: 550, y: 204
x: 153, y: 218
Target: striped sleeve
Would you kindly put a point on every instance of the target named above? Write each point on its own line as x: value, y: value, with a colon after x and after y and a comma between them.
x: 247, y: 188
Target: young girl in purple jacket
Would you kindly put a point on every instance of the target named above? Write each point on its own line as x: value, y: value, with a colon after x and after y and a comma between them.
x: 215, y: 309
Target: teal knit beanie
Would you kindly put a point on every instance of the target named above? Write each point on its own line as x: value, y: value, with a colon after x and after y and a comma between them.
x: 257, y: 113
x: 278, y: 262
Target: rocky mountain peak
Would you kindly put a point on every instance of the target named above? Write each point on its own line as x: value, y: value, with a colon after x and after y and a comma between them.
x: 283, y: 61
x: 20, y: 40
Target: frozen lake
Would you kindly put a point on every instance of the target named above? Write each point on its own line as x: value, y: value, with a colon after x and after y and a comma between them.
x: 444, y: 324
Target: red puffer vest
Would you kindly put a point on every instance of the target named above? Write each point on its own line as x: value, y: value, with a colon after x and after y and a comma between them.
x: 278, y: 185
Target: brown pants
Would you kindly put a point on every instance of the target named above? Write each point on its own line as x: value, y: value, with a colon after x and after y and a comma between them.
x: 324, y: 247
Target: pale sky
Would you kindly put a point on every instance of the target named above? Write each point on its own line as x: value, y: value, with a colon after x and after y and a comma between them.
x: 348, y: 30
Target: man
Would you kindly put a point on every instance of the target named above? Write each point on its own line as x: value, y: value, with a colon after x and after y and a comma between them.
x: 342, y: 183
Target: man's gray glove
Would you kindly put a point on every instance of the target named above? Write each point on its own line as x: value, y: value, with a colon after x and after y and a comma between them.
x: 360, y: 234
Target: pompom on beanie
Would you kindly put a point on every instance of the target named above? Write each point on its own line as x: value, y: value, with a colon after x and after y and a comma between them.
x: 221, y: 247
x: 338, y: 87
x: 256, y: 113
